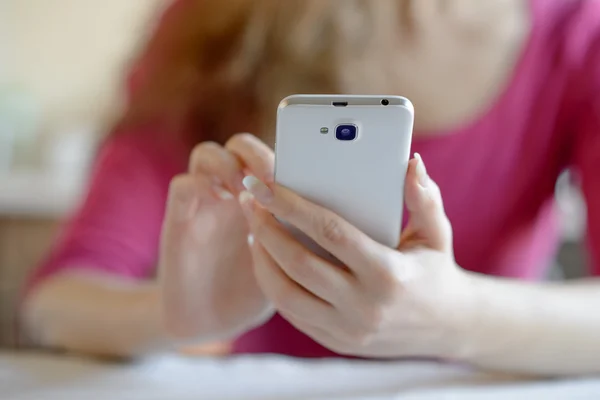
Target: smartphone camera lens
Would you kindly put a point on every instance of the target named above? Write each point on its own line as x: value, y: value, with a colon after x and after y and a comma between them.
x: 346, y: 132
x: 385, y: 102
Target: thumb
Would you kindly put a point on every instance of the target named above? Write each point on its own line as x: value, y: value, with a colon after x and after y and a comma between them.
x: 428, y: 225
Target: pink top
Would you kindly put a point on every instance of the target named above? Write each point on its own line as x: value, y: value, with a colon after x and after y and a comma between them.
x: 499, y: 197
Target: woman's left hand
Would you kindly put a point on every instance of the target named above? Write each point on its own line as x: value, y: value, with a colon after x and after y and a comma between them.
x: 410, y: 301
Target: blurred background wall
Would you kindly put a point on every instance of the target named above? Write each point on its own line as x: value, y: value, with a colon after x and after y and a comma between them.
x: 69, y: 54
x: 61, y: 66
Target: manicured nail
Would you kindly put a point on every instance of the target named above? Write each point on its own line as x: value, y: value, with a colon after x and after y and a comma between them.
x: 421, y: 171
x: 247, y: 202
x: 261, y: 192
x: 223, y: 194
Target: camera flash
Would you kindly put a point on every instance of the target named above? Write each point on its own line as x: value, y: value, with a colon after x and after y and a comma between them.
x: 324, y: 130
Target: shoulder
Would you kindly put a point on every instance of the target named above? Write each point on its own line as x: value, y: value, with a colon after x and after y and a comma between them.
x: 571, y: 32
x: 569, y: 27
x: 142, y: 153
x: 560, y: 71
x: 132, y: 171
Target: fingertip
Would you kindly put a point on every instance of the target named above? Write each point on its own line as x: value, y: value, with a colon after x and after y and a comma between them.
x: 259, y: 189
x: 179, y: 185
x: 250, y: 181
x: 417, y: 156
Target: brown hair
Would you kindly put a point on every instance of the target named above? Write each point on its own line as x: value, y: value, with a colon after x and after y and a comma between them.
x: 212, y: 62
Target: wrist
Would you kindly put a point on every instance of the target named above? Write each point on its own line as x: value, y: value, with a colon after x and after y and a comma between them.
x: 466, y: 318
x: 144, y: 311
x: 497, y: 320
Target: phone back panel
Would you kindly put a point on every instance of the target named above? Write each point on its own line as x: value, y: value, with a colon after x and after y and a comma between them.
x: 362, y: 180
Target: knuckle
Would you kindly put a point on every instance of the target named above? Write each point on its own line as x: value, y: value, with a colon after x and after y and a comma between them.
x: 430, y: 204
x: 201, y: 149
x: 178, y: 183
x: 208, y: 145
x: 241, y: 144
x: 186, y: 185
x: 253, y: 152
x: 373, y: 318
x: 384, y: 284
x: 181, y: 188
x: 330, y: 230
x: 287, y: 210
x: 186, y: 194
x: 199, y: 154
x: 248, y: 143
x: 436, y: 195
x: 242, y: 138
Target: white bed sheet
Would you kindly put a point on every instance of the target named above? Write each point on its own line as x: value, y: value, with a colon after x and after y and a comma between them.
x: 48, y: 377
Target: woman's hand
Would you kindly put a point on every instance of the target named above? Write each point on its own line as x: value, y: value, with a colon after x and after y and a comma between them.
x: 205, y: 268
x: 413, y: 301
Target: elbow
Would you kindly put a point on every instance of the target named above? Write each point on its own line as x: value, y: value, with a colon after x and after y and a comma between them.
x: 66, y: 314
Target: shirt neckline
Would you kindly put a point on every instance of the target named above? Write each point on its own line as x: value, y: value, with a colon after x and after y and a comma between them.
x: 505, y: 96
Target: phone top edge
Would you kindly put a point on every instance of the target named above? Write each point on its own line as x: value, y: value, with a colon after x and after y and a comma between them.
x: 352, y: 100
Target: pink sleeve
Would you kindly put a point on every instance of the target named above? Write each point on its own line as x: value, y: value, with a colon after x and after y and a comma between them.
x: 117, y: 228
x: 584, y: 45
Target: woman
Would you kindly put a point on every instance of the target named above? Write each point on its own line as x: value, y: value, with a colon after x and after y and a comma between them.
x: 506, y: 93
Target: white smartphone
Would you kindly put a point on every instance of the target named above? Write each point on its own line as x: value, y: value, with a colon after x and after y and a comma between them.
x: 349, y: 154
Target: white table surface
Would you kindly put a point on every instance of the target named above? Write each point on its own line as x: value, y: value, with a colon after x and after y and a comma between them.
x: 30, y: 376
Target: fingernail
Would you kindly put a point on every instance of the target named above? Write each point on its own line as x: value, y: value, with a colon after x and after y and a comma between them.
x: 250, y: 240
x: 421, y: 171
x: 223, y: 194
x: 261, y: 192
x: 247, y: 202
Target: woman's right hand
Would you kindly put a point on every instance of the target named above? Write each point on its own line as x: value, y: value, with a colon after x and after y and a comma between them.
x: 208, y: 289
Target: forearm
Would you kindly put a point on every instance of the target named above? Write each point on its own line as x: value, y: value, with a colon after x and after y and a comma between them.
x: 95, y: 314
x: 535, y: 328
